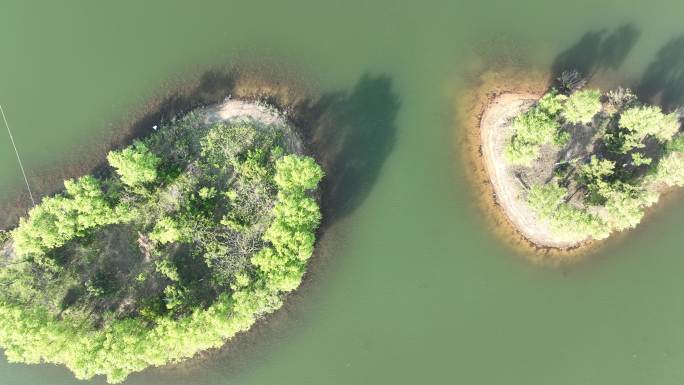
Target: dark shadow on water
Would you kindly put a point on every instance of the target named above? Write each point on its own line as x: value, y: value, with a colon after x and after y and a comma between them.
x: 351, y: 135
x: 663, y: 80
x: 597, y: 50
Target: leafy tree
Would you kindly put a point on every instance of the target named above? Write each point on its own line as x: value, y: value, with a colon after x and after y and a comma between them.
x: 637, y: 123
x: 536, y: 127
x: 295, y: 174
x: 532, y: 129
x: 61, y: 218
x: 597, y: 169
x: 545, y: 199
x: 596, y: 175
x: 676, y: 144
x: 669, y: 170
x: 581, y: 106
x: 638, y: 159
x: 135, y: 164
x: 552, y: 103
x: 566, y: 221
x: 625, y: 205
x: 166, y: 230
x: 167, y: 269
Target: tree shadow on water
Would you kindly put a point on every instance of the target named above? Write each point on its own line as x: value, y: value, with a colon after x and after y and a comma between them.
x: 663, y: 79
x: 597, y: 50
x: 351, y: 135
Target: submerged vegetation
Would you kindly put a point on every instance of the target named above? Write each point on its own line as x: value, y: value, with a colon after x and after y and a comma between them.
x: 195, y: 232
x: 609, y: 158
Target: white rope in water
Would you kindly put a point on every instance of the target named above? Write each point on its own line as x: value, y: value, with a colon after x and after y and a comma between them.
x: 21, y: 166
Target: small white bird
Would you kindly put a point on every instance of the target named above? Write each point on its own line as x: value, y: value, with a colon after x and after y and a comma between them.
x: 154, y: 127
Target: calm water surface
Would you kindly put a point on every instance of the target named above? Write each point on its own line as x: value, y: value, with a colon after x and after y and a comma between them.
x: 410, y: 287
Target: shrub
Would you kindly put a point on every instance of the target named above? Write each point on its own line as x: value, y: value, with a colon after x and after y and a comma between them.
x: 566, y: 221
x: 61, y: 218
x: 639, y: 122
x: 638, y: 159
x: 295, y: 174
x: 625, y: 205
x: 552, y: 103
x: 581, y: 106
x: 544, y: 200
x: 135, y: 164
x: 669, y: 170
x: 532, y: 129
x: 166, y: 230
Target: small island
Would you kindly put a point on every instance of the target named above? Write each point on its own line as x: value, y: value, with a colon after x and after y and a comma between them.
x: 187, y: 238
x: 574, y: 165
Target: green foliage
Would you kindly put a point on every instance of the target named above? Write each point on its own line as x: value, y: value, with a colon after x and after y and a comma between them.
x: 566, y: 221
x: 596, y: 170
x: 254, y: 165
x: 596, y: 175
x: 166, y: 230
x: 669, y: 170
x: 562, y: 138
x: 61, y: 218
x: 676, y: 144
x: 637, y: 123
x: 536, y: 127
x: 292, y: 232
x: 552, y: 103
x: 581, y: 106
x: 135, y: 164
x: 532, y: 129
x: 207, y: 281
x: 625, y: 205
x: 296, y: 174
x: 544, y: 200
x: 638, y: 159
x: 167, y: 269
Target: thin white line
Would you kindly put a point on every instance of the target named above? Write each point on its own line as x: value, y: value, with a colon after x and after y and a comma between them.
x: 18, y: 157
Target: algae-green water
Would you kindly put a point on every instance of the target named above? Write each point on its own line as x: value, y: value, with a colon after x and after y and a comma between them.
x: 409, y: 286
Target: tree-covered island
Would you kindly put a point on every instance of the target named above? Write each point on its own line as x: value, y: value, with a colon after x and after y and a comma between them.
x: 576, y: 164
x: 194, y: 232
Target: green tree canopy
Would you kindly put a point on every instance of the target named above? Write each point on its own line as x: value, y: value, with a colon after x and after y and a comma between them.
x: 135, y: 164
x: 581, y: 106
x: 640, y: 122
x: 58, y: 219
x: 567, y: 222
x: 669, y: 170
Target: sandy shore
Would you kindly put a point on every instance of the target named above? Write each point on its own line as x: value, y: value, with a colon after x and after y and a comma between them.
x: 496, y: 131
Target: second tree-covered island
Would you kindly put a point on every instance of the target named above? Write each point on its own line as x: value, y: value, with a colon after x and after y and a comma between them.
x: 187, y: 237
x: 575, y: 165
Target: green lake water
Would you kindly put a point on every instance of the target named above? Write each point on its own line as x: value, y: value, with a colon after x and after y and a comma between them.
x: 408, y: 285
